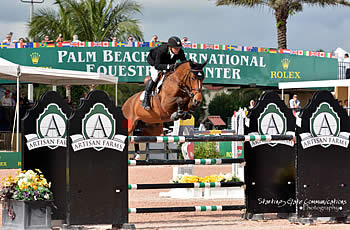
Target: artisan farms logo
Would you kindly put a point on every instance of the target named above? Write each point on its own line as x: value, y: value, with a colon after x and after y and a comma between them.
x: 50, y: 129
x: 285, y: 74
x: 272, y: 122
x: 324, y: 129
x: 98, y: 131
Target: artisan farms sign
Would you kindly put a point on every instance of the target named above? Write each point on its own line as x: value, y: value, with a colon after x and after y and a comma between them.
x: 224, y: 66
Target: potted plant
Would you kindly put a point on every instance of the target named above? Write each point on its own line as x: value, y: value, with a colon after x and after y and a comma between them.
x: 26, y: 201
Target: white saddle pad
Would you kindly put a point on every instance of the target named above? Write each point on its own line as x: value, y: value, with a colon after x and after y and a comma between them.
x: 142, y: 95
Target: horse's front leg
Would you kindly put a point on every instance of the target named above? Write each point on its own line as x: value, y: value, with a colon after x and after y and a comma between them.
x: 180, y: 109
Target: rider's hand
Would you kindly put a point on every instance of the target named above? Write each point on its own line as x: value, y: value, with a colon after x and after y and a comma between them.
x: 171, y: 67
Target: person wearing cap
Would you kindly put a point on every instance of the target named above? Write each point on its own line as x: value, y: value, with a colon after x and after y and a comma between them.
x: 162, y: 58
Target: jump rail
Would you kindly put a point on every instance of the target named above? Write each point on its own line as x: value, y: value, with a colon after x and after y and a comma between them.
x: 187, y: 209
x: 181, y: 139
x: 186, y: 162
x: 185, y: 185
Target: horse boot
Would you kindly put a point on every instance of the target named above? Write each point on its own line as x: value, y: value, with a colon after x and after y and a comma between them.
x: 148, y: 90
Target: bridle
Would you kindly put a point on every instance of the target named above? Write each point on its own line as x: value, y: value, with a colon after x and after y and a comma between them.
x: 191, y: 92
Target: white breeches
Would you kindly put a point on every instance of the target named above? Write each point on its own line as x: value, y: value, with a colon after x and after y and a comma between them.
x: 154, y: 73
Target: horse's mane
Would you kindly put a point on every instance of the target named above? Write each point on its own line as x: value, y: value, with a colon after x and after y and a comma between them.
x: 180, y: 63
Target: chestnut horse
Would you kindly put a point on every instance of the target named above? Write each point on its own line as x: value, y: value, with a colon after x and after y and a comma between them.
x: 179, y: 94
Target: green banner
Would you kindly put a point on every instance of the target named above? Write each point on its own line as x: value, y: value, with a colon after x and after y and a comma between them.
x: 224, y: 67
x: 10, y: 160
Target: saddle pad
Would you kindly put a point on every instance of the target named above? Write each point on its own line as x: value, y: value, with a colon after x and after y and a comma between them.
x: 142, y: 96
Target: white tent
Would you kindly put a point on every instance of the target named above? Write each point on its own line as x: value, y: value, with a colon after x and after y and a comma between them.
x: 12, y: 71
x: 339, y: 53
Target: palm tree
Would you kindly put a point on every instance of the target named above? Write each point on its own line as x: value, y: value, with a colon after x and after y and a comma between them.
x: 282, y: 9
x: 91, y: 20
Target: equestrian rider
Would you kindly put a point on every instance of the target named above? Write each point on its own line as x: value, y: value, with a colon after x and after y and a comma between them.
x: 162, y: 58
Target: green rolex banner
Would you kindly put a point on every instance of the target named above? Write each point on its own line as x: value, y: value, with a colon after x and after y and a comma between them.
x: 224, y: 66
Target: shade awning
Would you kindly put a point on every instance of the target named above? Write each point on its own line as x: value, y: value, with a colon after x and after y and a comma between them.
x: 8, y: 71
x: 313, y: 84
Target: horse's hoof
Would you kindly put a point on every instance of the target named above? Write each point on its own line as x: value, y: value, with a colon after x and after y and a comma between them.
x: 174, y: 116
x: 137, y: 157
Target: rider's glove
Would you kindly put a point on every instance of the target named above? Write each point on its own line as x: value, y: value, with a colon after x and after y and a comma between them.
x: 171, y: 67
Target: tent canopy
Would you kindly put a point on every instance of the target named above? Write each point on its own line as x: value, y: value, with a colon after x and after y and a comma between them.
x: 313, y: 84
x: 8, y: 71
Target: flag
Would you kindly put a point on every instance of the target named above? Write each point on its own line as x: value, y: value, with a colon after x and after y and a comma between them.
x: 260, y: 49
x: 201, y: 46
x: 96, y: 44
x: 27, y: 45
x: 35, y: 44
x: 186, y: 45
x: 208, y: 47
x: 295, y: 52
x: 245, y: 48
x: 313, y: 53
x: 104, y: 44
x: 301, y: 52
x: 42, y: 45
x: 120, y: 44
x: 329, y: 55
x: 3, y: 45
x: 19, y: 45
x: 273, y: 51
x: 157, y: 44
x: 285, y: 51
x: 50, y: 45
x: 217, y: 47
x: 266, y: 50
x: 229, y: 47
x: 194, y: 45
x: 307, y: 53
x: 74, y: 44
x: 253, y: 49
x: 321, y: 54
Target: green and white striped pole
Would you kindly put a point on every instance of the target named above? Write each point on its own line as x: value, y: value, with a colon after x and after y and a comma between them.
x: 188, y: 209
x: 186, y: 185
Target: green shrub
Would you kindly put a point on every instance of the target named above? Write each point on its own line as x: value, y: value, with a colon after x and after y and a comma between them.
x: 206, y: 150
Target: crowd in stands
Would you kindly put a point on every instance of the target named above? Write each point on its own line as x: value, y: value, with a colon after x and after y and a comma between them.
x: 75, y: 38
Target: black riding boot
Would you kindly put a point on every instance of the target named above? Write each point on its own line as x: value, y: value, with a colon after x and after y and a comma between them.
x: 148, y: 90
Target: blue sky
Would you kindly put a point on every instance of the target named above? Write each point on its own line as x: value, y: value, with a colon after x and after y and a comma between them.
x: 202, y: 22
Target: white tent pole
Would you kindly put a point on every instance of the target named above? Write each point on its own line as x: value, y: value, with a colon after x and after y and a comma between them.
x: 30, y: 92
x: 14, y: 125
x: 116, y: 94
x: 17, y: 108
x: 282, y: 94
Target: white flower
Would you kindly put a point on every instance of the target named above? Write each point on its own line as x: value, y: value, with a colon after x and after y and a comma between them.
x: 46, y: 196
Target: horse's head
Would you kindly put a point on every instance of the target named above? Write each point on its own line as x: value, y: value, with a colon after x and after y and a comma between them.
x: 194, y: 81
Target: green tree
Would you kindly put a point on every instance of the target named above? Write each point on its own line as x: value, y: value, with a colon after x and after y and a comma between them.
x: 282, y: 10
x: 225, y: 104
x: 91, y: 20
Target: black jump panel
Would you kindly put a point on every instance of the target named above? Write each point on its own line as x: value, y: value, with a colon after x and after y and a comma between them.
x: 44, y: 136
x: 98, y: 164
x: 270, y: 166
x: 323, y: 157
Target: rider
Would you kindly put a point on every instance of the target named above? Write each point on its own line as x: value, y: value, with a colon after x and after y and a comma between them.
x: 162, y: 58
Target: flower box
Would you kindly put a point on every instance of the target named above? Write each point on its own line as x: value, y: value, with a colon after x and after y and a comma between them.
x: 26, y: 214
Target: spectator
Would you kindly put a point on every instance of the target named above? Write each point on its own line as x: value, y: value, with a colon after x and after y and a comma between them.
x: 347, y: 65
x: 251, y: 104
x: 13, y: 100
x: 6, y: 99
x: 341, y: 103
x: 114, y: 39
x: 75, y: 38
x: 185, y: 40
x: 47, y: 39
x: 59, y: 38
x: 21, y: 40
x: 154, y: 38
x: 8, y: 39
x: 294, y: 103
x: 345, y: 105
x: 84, y: 97
x: 130, y: 41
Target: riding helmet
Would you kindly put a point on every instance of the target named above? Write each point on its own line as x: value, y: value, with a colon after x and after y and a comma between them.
x: 174, y: 42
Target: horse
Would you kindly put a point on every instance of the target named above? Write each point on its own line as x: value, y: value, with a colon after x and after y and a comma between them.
x: 179, y: 94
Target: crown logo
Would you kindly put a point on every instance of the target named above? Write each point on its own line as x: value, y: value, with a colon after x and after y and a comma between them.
x: 35, y: 58
x: 285, y: 63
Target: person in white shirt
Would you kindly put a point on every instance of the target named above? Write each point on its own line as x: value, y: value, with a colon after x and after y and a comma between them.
x: 75, y: 38
x: 8, y: 39
x: 154, y: 38
x: 6, y: 99
x: 294, y: 103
